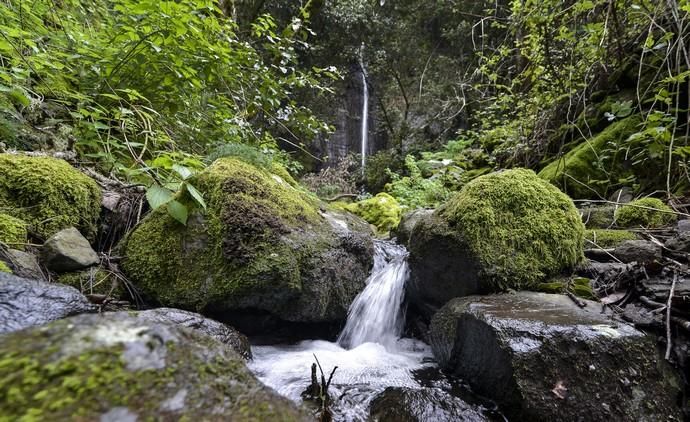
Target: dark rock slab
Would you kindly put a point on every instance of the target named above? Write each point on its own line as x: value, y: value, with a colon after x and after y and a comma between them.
x: 397, y: 404
x: 24, y: 264
x: 219, y: 331
x: 679, y: 243
x: 121, y: 367
x: 408, y: 222
x: 26, y: 303
x: 637, y: 251
x: 540, y: 357
x: 67, y: 250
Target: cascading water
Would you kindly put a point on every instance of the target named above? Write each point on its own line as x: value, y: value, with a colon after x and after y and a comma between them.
x: 377, y: 315
x: 365, y: 109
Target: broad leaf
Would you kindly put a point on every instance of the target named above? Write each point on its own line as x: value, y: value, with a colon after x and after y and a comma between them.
x: 178, y: 211
x: 158, y: 195
x: 198, y: 197
x: 184, y: 172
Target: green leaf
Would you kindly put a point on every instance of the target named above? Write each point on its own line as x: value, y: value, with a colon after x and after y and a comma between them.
x: 196, y: 195
x: 158, y: 195
x: 178, y: 211
x: 184, y: 172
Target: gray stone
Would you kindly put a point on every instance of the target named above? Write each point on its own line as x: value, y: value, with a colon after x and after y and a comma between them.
x: 598, y: 217
x: 148, y: 371
x: 24, y: 264
x: 399, y: 404
x: 67, y: 250
x: 683, y: 226
x: 26, y: 303
x: 622, y: 195
x: 679, y: 243
x: 221, y: 332
x: 408, y: 222
x: 637, y: 251
x: 540, y: 357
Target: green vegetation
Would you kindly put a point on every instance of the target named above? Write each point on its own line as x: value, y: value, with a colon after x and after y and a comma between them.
x: 94, y: 281
x: 383, y: 211
x: 607, y: 238
x: 578, y: 286
x: 4, y: 268
x: 414, y: 191
x: 12, y: 231
x: 520, y: 227
x: 645, y: 212
x: 48, y: 194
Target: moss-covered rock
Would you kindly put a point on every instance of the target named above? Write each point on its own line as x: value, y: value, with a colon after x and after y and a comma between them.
x: 646, y: 212
x: 120, y: 367
x: 4, y: 268
x: 579, y: 286
x: 383, y: 211
x: 48, y: 194
x: 12, y: 231
x: 261, y: 246
x: 586, y: 171
x: 508, y: 229
x: 609, y: 238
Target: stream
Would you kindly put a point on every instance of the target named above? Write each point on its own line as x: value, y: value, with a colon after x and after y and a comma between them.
x: 369, y: 353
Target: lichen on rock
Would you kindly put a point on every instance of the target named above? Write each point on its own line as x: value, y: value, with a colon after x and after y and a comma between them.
x: 383, y: 211
x: 646, y: 212
x: 261, y: 244
x: 48, y: 194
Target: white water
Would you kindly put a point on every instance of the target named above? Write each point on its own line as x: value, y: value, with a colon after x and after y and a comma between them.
x: 377, y: 315
x: 365, y: 109
x: 376, y: 357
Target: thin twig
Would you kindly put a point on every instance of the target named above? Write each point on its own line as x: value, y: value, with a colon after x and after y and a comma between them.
x: 668, y: 316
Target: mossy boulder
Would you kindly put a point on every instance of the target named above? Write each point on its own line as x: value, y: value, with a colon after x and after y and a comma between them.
x: 606, y: 238
x: 48, y: 194
x: 383, y: 211
x: 261, y: 247
x: 12, y: 231
x: 508, y: 229
x: 122, y: 367
x: 589, y: 170
x: 646, y: 212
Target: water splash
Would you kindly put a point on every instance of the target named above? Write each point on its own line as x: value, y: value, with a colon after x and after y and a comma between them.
x: 377, y: 314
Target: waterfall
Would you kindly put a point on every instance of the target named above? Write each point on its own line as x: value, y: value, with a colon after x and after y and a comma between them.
x: 365, y: 108
x: 376, y: 315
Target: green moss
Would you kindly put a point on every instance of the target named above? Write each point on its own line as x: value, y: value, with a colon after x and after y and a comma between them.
x: 94, y: 280
x: 598, y: 217
x: 609, y: 238
x: 579, y: 286
x: 12, y: 231
x: 520, y: 228
x: 585, y: 171
x: 4, y: 268
x: 48, y: 194
x: 237, y: 246
x: 646, y: 212
x: 383, y: 211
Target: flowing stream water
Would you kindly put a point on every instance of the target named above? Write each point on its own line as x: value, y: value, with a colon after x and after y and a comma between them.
x: 369, y: 353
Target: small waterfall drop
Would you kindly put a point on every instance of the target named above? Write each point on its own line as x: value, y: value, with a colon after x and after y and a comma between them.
x: 377, y: 315
x: 365, y: 108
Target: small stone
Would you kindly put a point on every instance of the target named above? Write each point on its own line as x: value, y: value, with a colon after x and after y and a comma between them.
x: 25, y: 264
x: 637, y: 251
x: 683, y: 226
x: 592, y: 368
x: 622, y: 195
x: 67, y: 250
x: 679, y: 243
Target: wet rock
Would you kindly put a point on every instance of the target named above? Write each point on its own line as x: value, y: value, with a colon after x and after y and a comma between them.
x: 540, y: 357
x: 683, y: 226
x: 637, y: 251
x: 408, y: 222
x: 219, y: 331
x: 68, y: 250
x: 396, y: 404
x: 26, y: 303
x: 24, y: 264
x: 679, y: 243
x: 118, y: 366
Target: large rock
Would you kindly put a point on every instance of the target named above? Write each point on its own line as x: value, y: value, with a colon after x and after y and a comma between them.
x: 543, y: 358
x: 26, y: 303
x: 24, y: 264
x: 637, y: 251
x: 48, y: 194
x: 408, y: 222
x: 68, y: 250
x: 508, y: 229
x: 219, y: 331
x: 119, y: 367
x: 398, y: 404
x: 262, y: 247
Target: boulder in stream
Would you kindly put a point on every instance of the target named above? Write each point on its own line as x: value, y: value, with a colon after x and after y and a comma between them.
x: 122, y: 367
x: 26, y: 303
x: 399, y: 404
x: 540, y: 357
x: 261, y: 248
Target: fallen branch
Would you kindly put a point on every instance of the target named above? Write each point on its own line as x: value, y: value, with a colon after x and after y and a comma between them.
x: 669, y: 305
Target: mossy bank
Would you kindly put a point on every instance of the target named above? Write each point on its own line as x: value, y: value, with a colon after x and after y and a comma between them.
x: 262, y: 246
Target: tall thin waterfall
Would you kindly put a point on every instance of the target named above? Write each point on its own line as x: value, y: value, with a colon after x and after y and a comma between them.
x: 365, y: 108
x: 376, y: 315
